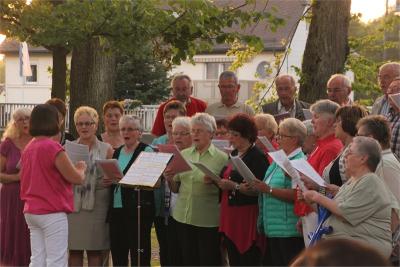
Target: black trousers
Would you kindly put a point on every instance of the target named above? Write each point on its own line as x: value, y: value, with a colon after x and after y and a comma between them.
x: 200, y: 246
x: 280, y: 251
x: 252, y: 257
x: 167, y: 236
x: 124, y: 239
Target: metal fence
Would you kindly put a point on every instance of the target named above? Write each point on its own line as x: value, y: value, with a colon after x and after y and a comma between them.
x: 146, y: 112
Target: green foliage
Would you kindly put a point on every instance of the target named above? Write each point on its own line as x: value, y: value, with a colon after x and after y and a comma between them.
x: 367, y: 44
x: 141, y: 78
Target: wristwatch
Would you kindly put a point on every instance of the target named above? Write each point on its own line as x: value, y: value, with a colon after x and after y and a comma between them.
x: 270, y: 190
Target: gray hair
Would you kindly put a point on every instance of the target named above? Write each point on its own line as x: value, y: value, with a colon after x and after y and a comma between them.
x: 309, y: 127
x: 296, y: 128
x: 135, y: 120
x: 345, y: 80
x: 290, y: 77
x: 181, y: 121
x: 181, y: 76
x: 325, y: 106
x: 229, y: 75
x: 267, y: 121
x: 393, y: 66
x: 368, y: 146
x: 205, y: 120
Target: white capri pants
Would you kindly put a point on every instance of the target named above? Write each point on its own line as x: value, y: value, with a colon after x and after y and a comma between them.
x: 49, y: 239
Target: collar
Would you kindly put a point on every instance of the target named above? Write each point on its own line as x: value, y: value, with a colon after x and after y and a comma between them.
x: 211, y: 150
x: 295, y: 152
x: 236, y: 105
x: 280, y: 106
x: 386, y: 151
x: 185, y: 103
x: 326, y: 140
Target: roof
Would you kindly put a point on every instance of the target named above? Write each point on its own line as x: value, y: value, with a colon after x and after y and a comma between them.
x: 12, y: 46
x: 289, y: 10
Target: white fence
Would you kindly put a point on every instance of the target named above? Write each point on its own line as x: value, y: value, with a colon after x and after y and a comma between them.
x: 146, y: 112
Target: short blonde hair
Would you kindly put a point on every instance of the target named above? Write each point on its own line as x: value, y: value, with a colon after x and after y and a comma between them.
x: 11, y: 130
x: 267, y: 122
x: 181, y: 121
x: 88, y: 111
x: 296, y: 128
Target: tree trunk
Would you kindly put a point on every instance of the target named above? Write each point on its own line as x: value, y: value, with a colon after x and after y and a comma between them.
x: 326, y: 48
x: 59, y: 73
x: 92, y: 78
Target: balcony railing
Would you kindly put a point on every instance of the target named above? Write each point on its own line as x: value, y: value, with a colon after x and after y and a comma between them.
x: 146, y: 112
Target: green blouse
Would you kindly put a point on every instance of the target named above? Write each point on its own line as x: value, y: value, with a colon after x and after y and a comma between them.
x: 198, y: 202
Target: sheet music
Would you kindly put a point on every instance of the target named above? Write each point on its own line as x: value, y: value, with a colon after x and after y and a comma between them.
x: 77, y: 152
x: 147, y: 169
x: 110, y: 168
x: 223, y: 145
x: 207, y: 171
x: 305, y: 168
x: 281, y: 159
x: 264, y: 140
x: 242, y: 168
x: 178, y: 163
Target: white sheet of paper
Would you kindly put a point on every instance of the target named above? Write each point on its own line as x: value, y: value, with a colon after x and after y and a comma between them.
x: 305, y: 168
x: 307, y: 114
x: 110, y: 168
x: 223, y: 145
x: 283, y: 161
x: 147, y: 169
x: 178, y: 163
x: 207, y: 171
x: 77, y: 152
x: 264, y: 140
x: 396, y: 99
x: 242, y: 168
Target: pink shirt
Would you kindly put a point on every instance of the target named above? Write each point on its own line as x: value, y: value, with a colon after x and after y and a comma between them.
x: 43, y: 188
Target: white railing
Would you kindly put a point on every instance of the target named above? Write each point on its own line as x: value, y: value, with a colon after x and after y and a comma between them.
x: 146, y: 112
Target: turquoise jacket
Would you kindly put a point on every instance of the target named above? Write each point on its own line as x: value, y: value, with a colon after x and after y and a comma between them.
x: 276, y: 217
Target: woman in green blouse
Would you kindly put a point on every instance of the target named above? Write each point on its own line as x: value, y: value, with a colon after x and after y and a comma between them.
x: 197, y: 207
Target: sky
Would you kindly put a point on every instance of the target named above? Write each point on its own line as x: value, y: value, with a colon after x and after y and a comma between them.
x: 370, y: 9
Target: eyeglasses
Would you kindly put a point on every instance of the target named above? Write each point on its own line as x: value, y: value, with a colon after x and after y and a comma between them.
x: 169, y: 117
x: 23, y: 119
x: 359, y: 134
x: 234, y: 133
x: 198, y: 131
x: 280, y: 136
x: 129, y: 129
x: 86, y: 124
x: 180, y: 133
x: 227, y: 86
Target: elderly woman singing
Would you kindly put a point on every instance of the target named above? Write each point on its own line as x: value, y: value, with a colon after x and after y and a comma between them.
x: 361, y: 209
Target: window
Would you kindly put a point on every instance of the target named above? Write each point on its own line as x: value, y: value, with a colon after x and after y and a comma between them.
x: 214, y: 69
x: 33, y: 78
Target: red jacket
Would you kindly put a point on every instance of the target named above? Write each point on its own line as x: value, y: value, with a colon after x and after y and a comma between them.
x: 192, y: 107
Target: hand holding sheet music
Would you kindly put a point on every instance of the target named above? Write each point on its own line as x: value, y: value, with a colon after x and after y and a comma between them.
x: 110, y: 168
x: 305, y: 168
x: 209, y: 173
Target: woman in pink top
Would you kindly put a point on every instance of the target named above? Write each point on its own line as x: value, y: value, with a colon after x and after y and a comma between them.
x: 47, y: 175
x: 14, y: 233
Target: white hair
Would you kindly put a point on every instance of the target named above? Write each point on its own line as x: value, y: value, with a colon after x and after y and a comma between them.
x: 205, y: 120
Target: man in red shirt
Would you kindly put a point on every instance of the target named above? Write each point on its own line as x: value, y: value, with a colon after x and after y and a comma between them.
x: 182, y: 88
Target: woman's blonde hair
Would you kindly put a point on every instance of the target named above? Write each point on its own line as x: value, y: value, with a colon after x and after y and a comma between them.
x: 87, y: 110
x: 11, y: 130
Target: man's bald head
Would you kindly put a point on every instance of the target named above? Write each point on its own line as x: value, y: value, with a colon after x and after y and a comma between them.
x: 387, y: 73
